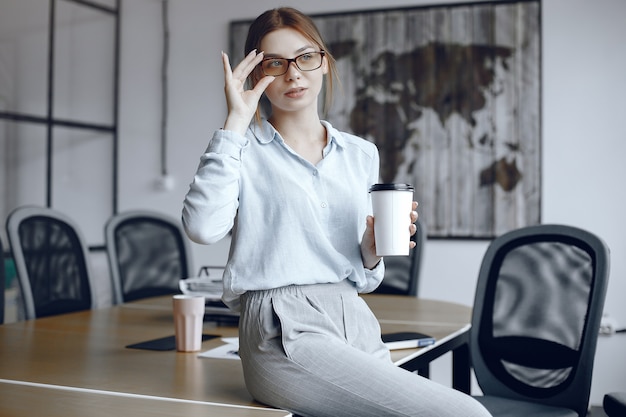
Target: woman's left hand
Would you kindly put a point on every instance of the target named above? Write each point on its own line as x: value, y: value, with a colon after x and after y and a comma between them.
x: 368, y: 243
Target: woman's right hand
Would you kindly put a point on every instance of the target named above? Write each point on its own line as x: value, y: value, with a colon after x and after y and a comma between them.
x: 242, y: 103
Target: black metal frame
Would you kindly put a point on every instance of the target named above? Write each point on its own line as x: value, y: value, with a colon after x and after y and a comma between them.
x: 50, y: 122
x: 461, y: 367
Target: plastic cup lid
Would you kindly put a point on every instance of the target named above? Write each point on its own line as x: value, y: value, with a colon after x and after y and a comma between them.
x: 391, y: 187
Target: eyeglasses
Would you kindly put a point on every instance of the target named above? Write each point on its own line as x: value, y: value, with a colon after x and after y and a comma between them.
x: 307, y: 61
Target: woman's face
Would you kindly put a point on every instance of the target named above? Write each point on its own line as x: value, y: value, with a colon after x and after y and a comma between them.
x: 295, y: 90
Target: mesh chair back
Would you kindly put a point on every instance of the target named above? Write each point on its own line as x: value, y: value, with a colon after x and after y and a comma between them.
x: 51, y: 261
x: 402, y: 272
x: 537, y: 313
x: 148, y: 255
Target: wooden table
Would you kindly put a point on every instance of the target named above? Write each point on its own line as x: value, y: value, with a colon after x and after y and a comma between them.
x: 447, y: 322
x: 86, y: 351
x: 27, y: 399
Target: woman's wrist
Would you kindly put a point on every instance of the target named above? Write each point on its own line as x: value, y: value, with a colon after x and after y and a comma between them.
x: 239, y: 125
x: 371, y: 263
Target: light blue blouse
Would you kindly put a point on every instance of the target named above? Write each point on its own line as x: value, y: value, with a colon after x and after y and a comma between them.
x: 294, y: 223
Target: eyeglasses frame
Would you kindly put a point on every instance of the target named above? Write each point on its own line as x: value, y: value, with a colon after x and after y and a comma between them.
x: 294, y: 60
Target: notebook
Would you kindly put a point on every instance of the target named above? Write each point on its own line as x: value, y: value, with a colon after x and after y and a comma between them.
x: 407, y: 340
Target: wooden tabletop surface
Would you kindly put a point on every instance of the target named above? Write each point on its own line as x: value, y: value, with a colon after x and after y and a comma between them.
x: 17, y: 400
x: 88, y: 350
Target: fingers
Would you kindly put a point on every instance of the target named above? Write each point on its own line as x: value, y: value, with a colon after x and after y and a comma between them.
x: 369, y: 222
x: 247, y: 65
x: 242, y: 103
x: 413, y: 227
x: 263, y: 83
x: 235, y: 79
x: 414, y: 214
x: 228, y: 73
x: 243, y: 69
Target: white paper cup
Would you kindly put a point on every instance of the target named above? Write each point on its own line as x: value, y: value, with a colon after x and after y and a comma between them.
x: 188, y: 318
x: 392, y: 205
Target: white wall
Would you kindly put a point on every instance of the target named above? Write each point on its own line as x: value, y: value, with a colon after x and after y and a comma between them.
x: 584, y: 135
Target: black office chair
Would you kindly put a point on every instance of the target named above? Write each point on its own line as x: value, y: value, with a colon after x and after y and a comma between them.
x: 51, y: 261
x: 148, y: 254
x: 536, y: 318
x: 402, y: 272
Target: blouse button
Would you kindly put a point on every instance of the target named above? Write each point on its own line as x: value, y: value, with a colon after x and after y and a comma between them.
x: 324, y: 205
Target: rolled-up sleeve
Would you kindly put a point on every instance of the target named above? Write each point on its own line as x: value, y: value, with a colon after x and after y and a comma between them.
x: 373, y: 277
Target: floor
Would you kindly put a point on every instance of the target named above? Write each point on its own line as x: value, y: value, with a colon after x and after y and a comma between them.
x: 596, y: 411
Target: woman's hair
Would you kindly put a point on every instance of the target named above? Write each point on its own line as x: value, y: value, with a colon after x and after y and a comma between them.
x: 287, y: 17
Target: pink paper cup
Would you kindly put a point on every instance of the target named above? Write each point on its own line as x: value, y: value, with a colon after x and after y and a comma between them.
x: 188, y: 319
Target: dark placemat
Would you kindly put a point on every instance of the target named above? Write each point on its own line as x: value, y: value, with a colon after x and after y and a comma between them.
x: 164, y: 343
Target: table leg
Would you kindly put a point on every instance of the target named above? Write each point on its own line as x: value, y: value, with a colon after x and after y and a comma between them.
x: 461, y: 378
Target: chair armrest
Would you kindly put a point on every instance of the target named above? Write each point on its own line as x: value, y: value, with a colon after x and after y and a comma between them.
x: 614, y: 404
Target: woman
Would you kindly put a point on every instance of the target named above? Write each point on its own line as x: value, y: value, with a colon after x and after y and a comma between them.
x: 294, y: 190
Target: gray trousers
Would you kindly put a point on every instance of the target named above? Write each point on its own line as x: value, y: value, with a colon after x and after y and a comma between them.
x: 316, y: 351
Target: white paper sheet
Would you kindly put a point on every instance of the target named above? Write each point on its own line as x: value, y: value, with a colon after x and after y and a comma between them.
x: 230, y: 350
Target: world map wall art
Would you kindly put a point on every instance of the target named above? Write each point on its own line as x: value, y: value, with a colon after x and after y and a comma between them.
x: 451, y: 95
